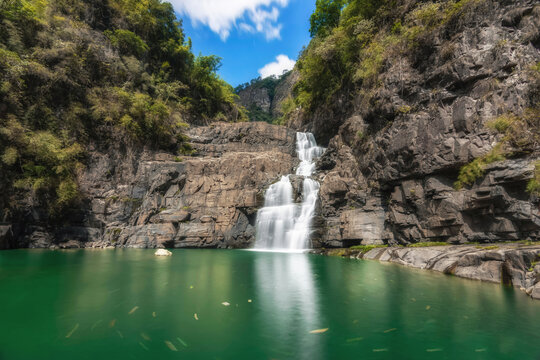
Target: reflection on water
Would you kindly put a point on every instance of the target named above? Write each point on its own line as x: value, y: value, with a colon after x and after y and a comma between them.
x: 80, y: 305
x: 285, y: 283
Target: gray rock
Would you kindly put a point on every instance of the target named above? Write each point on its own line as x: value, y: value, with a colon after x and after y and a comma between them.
x: 6, y: 236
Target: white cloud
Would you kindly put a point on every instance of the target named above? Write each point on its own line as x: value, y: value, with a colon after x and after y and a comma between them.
x: 221, y: 15
x: 278, y: 67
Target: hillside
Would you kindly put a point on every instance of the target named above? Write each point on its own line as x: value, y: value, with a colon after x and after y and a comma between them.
x: 81, y: 77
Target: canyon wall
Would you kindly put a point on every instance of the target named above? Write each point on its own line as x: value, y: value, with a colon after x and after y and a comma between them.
x: 392, y: 161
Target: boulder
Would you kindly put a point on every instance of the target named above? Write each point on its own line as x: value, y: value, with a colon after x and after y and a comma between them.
x: 162, y: 252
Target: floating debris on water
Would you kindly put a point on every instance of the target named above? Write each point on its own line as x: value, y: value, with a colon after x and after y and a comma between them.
x: 191, y: 286
x: 318, y: 331
x: 195, y: 316
x: 72, y: 331
x: 355, y: 339
x: 428, y: 307
x: 480, y: 350
x: 181, y: 341
x: 225, y: 303
x: 433, y: 350
x: 143, y: 346
x: 249, y: 300
x: 413, y: 299
x: 145, y: 337
x: 379, y: 350
x: 112, y: 323
x: 390, y: 330
x: 170, y: 345
x: 120, y: 334
x: 133, y: 310
x: 95, y: 325
x: 154, y: 314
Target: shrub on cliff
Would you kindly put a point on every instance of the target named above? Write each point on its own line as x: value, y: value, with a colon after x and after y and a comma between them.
x: 354, y: 40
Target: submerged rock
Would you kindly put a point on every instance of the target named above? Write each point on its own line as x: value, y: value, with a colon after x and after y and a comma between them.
x: 163, y: 252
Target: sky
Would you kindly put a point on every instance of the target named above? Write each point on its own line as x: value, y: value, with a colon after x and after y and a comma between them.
x: 253, y: 37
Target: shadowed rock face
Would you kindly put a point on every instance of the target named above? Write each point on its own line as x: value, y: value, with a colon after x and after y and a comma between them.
x: 425, y: 121
x: 152, y: 200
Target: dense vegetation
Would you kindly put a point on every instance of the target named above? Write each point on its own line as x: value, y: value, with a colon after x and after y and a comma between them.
x: 75, y: 72
x: 355, y: 41
x: 352, y: 41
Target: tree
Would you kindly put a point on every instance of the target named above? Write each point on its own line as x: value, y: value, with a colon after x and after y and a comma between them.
x: 325, y: 17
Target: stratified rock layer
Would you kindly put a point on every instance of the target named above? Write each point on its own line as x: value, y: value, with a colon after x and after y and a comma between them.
x: 157, y: 200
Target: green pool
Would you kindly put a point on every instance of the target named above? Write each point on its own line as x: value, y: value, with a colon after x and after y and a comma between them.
x: 210, y: 304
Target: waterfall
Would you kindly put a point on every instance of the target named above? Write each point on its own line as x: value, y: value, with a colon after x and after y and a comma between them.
x: 282, y: 224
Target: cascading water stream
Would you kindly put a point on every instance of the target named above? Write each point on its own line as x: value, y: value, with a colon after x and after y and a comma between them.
x: 282, y: 224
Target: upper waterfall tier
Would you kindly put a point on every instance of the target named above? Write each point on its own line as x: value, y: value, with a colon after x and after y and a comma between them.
x: 282, y: 224
x: 308, y: 151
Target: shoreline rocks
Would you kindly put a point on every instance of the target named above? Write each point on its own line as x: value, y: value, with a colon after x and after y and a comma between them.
x: 506, y: 264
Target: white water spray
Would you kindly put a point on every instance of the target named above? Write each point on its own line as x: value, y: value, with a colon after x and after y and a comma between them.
x: 282, y: 224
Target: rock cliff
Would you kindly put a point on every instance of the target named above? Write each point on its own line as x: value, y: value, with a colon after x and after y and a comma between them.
x: 154, y: 200
x: 394, y: 154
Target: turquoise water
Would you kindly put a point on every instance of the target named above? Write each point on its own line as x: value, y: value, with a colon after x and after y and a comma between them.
x: 129, y: 304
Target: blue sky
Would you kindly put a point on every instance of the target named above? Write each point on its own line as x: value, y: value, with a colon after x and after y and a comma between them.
x: 247, y: 34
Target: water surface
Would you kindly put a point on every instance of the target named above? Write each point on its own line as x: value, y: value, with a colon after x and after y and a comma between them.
x: 129, y: 304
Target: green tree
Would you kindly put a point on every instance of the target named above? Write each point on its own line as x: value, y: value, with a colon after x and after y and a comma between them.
x: 325, y: 17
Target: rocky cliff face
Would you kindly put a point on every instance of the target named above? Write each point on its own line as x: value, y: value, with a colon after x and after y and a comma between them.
x: 392, y: 160
x: 256, y: 97
x: 148, y: 200
x: 268, y: 95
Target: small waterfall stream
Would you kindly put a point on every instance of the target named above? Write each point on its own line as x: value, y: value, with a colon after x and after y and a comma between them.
x: 282, y: 224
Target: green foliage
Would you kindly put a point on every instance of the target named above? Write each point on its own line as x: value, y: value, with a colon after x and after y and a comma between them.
x: 428, y: 244
x: 62, y: 87
x: 474, y: 170
x: 48, y: 163
x: 366, y: 248
x: 10, y: 156
x: 351, y: 47
x: 405, y: 109
x: 502, y: 123
x: 255, y: 113
x: 533, y: 186
x: 325, y: 17
x: 490, y: 247
x: 127, y: 42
